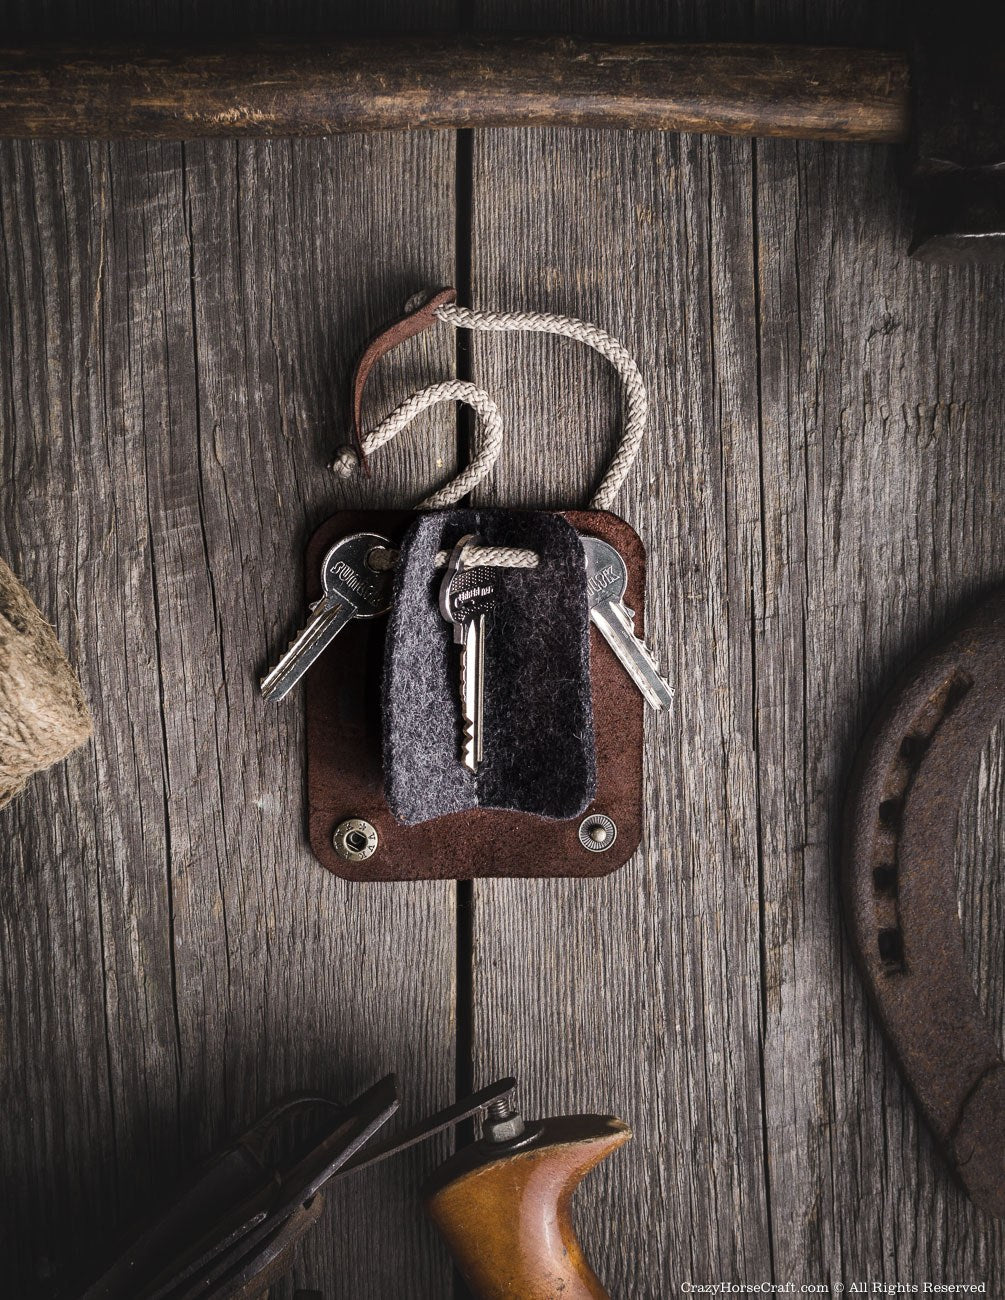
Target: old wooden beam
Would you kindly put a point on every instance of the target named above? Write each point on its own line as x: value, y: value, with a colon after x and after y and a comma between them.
x: 324, y: 88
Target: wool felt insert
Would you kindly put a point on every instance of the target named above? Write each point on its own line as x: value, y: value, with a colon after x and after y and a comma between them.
x: 539, y: 750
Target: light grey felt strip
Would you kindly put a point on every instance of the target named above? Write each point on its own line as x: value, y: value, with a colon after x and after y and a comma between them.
x: 539, y: 754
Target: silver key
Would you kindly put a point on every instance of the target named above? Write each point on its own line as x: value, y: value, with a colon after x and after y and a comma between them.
x: 606, y: 582
x: 352, y: 589
x: 466, y: 597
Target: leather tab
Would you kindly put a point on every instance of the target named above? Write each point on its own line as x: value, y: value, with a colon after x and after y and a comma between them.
x: 413, y: 322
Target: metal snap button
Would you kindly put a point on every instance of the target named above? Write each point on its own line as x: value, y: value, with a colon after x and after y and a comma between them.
x: 597, y: 832
x: 355, y: 840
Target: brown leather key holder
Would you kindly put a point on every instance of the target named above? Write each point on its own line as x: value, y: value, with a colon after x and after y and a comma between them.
x: 900, y: 891
x: 393, y: 791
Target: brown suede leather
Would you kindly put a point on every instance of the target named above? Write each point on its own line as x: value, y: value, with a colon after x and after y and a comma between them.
x: 344, y: 775
x: 414, y: 322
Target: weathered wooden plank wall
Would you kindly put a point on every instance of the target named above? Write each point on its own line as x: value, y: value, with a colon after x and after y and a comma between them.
x: 821, y: 490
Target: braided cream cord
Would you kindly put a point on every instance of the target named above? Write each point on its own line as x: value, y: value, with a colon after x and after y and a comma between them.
x: 636, y: 399
x: 499, y: 557
x: 452, y: 390
x: 489, y: 447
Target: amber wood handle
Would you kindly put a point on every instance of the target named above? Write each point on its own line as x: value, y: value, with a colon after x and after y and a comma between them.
x: 505, y: 1212
x: 322, y: 87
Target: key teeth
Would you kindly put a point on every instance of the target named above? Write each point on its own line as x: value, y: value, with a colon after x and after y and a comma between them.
x: 469, y: 745
x: 468, y: 755
x: 289, y: 646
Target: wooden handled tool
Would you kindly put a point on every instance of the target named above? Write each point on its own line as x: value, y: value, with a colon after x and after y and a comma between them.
x: 503, y: 1205
x: 326, y: 87
x: 947, y: 98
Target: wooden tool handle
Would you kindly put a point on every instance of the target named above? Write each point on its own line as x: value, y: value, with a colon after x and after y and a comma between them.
x: 505, y: 1211
x: 325, y: 87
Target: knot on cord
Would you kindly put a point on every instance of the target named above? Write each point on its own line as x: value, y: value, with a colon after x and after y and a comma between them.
x: 346, y: 462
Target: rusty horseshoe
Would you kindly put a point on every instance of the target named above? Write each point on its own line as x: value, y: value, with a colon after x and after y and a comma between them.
x: 900, y: 891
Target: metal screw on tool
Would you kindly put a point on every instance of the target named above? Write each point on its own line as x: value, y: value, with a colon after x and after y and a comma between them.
x: 597, y: 832
x: 355, y: 840
x: 503, y: 1125
x: 502, y: 1122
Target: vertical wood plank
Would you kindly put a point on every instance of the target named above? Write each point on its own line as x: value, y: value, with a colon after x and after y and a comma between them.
x: 883, y: 471
x: 644, y: 962
x: 639, y: 994
x: 178, y: 325
x: 980, y: 864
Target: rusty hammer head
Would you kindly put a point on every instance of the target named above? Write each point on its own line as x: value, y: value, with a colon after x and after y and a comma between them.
x: 958, y: 131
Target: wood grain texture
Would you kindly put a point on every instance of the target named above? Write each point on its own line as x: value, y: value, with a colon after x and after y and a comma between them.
x: 980, y: 865
x: 178, y: 324
x: 821, y: 492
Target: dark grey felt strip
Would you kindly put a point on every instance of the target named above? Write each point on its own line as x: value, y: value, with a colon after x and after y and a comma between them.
x: 539, y: 754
